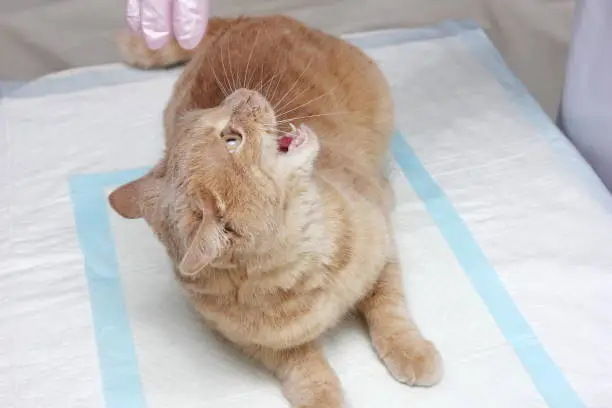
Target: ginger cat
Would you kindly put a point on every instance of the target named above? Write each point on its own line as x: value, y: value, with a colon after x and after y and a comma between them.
x: 272, y: 201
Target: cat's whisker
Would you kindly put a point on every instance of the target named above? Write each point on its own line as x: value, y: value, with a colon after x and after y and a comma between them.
x: 270, y: 81
x: 261, y: 64
x: 266, y: 82
x: 280, y: 78
x: 277, y: 85
x: 273, y: 128
x: 270, y: 123
x: 295, y: 82
x: 212, y: 67
x: 314, y: 116
x: 297, y: 95
x: 276, y: 131
x: 260, y: 82
x: 309, y: 102
x: 246, y: 70
x: 286, y: 104
x: 229, y: 60
x: 224, y: 68
x: 265, y: 88
x: 276, y: 70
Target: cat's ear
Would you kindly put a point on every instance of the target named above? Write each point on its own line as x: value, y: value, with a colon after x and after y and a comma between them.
x: 130, y: 199
x: 207, y: 244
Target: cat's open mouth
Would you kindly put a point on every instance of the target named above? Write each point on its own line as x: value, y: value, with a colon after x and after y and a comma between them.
x: 290, y: 141
x: 284, y: 142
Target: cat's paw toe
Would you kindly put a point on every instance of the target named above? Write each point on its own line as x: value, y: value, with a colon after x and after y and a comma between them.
x: 416, y: 363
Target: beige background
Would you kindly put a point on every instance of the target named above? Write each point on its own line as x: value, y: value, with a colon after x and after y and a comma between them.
x: 42, y: 36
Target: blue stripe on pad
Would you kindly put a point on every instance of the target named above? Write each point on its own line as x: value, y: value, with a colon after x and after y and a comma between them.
x: 118, y: 363
x: 546, y: 376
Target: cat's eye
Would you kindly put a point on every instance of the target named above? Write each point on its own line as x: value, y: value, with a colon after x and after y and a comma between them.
x: 230, y: 231
x: 232, y: 139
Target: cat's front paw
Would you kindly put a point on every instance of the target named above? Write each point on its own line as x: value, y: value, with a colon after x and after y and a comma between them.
x: 415, y: 362
x: 315, y: 392
x: 325, y: 399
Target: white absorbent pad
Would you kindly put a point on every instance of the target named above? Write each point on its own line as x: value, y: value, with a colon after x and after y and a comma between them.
x: 504, y: 234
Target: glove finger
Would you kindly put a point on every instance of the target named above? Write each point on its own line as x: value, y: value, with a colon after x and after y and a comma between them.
x: 190, y: 21
x: 156, y: 22
x: 132, y: 15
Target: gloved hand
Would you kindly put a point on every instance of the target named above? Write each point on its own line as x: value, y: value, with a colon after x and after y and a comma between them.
x: 158, y: 20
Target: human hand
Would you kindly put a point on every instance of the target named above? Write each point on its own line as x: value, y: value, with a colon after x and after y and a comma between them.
x: 158, y: 20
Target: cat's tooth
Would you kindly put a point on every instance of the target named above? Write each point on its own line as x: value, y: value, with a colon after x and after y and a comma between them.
x: 293, y: 128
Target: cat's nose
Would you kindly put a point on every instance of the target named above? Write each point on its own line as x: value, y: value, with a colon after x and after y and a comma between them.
x: 250, y: 98
x: 256, y: 100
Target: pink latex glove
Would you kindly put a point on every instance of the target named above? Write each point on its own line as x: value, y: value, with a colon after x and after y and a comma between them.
x: 158, y: 20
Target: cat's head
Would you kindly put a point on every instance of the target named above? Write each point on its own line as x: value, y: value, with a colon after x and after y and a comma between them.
x: 220, y: 190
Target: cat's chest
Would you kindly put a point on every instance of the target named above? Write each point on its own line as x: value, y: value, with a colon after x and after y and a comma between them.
x: 238, y: 288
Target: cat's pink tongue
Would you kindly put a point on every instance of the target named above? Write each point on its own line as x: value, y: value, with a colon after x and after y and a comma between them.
x: 284, y: 142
